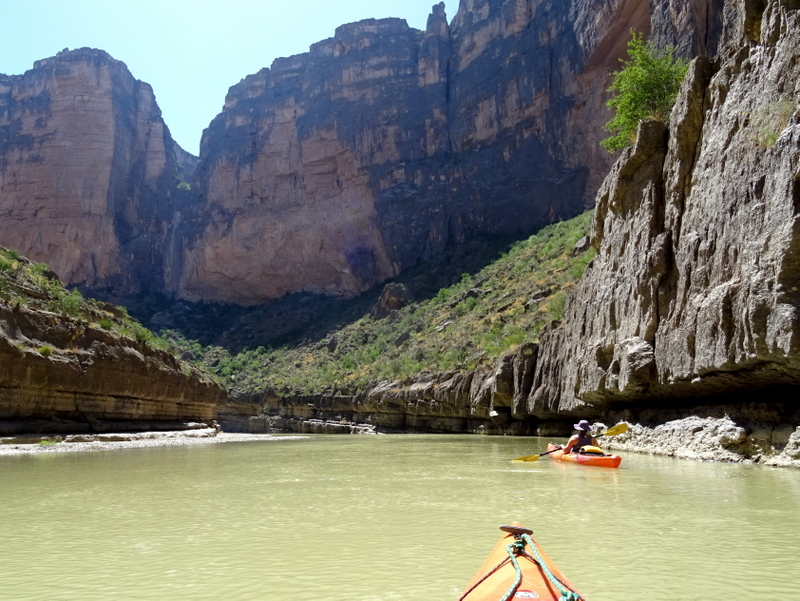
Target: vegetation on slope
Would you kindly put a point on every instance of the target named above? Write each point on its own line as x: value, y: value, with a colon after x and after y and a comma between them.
x: 472, y: 322
x: 647, y: 87
x: 35, y: 286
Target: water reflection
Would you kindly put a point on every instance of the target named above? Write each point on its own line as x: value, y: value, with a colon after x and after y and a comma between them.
x: 385, y: 518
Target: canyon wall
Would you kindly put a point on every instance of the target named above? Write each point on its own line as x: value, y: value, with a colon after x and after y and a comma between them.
x: 695, y: 289
x: 383, y: 145
x: 331, y: 170
x: 88, y: 172
x: 686, y: 323
x: 338, y: 168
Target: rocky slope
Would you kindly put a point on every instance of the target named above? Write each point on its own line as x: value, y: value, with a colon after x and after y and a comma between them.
x: 686, y: 323
x: 72, y: 366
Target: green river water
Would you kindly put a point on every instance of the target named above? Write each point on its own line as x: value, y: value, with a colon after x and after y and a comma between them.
x: 372, y: 518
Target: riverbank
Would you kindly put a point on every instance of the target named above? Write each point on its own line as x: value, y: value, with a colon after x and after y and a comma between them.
x: 708, y: 437
x: 20, y: 445
x: 697, y: 437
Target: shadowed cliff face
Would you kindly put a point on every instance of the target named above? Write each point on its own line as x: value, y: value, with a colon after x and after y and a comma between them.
x: 87, y: 169
x: 694, y: 290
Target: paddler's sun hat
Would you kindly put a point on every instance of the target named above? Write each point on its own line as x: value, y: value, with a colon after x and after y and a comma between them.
x: 583, y: 425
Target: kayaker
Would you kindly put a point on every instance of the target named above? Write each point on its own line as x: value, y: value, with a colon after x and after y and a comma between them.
x: 583, y: 438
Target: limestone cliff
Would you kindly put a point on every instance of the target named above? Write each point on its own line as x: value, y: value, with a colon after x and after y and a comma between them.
x: 88, y: 172
x: 332, y: 170
x: 92, y: 381
x: 694, y: 291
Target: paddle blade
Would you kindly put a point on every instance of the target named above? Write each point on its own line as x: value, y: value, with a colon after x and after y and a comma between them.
x: 618, y: 429
x: 526, y: 458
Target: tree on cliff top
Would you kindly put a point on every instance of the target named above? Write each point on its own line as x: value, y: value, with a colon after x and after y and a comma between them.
x: 646, y: 87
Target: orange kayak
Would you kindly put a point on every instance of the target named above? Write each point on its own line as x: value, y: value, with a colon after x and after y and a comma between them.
x: 536, y: 576
x: 584, y: 459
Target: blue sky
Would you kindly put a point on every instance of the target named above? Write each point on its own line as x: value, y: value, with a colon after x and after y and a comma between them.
x: 190, y: 51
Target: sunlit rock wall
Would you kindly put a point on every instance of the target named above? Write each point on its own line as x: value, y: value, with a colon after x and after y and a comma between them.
x: 63, y: 375
x: 332, y: 170
x: 87, y: 171
x: 336, y: 169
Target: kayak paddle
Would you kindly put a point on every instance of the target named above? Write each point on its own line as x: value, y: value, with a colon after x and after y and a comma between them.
x: 618, y: 429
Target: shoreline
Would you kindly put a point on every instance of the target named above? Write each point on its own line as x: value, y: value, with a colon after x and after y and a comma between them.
x: 34, y: 444
x: 694, y: 438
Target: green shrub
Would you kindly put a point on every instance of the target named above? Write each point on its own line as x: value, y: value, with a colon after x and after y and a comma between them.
x: 514, y: 336
x: 72, y: 304
x: 771, y: 120
x: 46, y: 350
x: 556, y: 306
x: 39, y: 268
x: 348, y: 363
x: 442, y: 295
x: 581, y: 263
x: 141, y: 334
x: 646, y: 87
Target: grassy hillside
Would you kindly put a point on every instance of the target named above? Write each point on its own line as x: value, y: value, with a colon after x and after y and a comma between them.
x: 472, y: 322
x: 32, y: 285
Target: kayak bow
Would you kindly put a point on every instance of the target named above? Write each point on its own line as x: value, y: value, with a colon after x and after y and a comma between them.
x: 584, y: 459
x: 518, y: 569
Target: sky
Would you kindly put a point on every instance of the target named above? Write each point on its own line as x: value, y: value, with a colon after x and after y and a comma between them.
x: 189, y: 51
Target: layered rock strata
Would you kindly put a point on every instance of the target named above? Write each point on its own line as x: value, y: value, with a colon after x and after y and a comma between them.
x: 333, y: 170
x: 383, y: 145
x: 59, y: 375
x: 695, y: 290
x: 88, y: 172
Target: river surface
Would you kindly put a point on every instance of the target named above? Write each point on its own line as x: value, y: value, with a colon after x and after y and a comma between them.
x: 374, y: 518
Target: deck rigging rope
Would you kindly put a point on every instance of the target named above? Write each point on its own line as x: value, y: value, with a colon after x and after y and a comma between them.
x: 514, y: 549
x: 566, y: 593
x: 518, y: 548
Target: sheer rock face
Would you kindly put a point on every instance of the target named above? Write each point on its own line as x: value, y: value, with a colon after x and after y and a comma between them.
x: 686, y: 324
x: 336, y: 169
x: 87, y: 171
x: 696, y: 286
x: 92, y: 380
